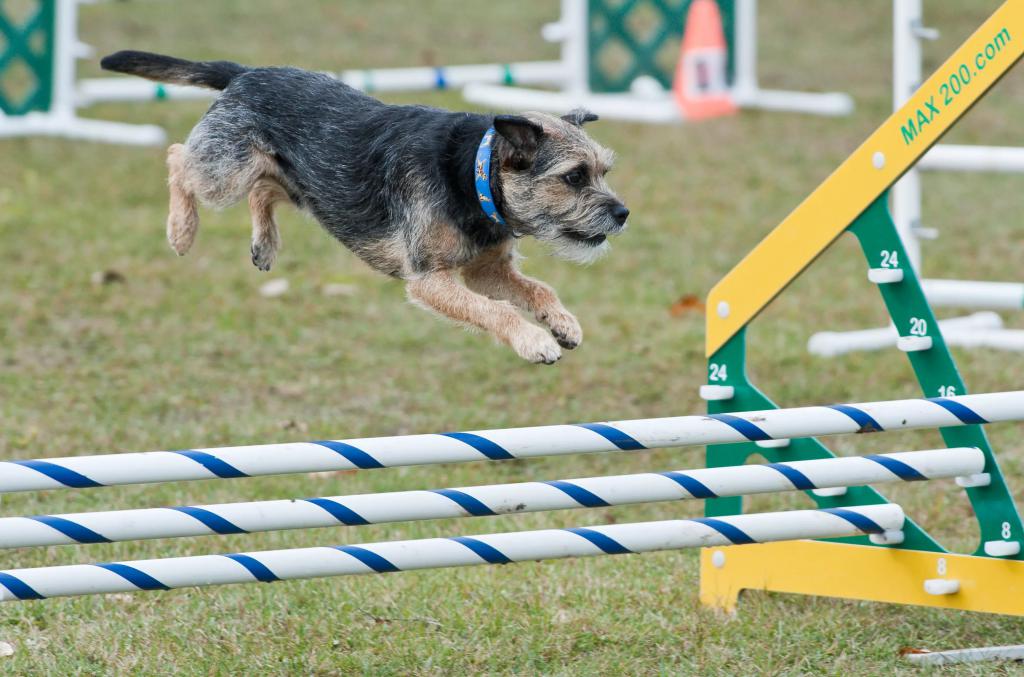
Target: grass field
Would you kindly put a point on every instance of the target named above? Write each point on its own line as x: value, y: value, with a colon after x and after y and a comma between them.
x: 186, y: 352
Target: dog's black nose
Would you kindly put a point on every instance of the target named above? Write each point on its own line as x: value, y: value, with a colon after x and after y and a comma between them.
x: 620, y: 213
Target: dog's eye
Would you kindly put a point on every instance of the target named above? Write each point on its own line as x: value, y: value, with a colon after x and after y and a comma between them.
x: 574, y: 178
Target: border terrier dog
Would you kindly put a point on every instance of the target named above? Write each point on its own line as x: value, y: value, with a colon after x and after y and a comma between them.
x: 421, y: 194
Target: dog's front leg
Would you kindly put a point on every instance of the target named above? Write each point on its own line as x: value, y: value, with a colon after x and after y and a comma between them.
x: 442, y: 293
x: 496, y: 276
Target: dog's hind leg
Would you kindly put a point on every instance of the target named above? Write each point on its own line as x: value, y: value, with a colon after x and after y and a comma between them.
x: 266, y: 239
x: 183, y: 215
x: 442, y: 293
x: 494, y: 274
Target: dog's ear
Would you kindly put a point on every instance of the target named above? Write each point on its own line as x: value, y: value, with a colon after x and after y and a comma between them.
x: 524, y: 138
x: 579, y: 116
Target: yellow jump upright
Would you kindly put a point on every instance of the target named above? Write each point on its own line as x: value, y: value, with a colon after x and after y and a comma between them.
x: 914, y: 568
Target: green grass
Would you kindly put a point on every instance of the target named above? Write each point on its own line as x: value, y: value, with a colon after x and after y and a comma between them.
x: 186, y: 353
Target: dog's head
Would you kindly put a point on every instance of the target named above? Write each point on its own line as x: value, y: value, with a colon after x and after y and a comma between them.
x: 552, y: 178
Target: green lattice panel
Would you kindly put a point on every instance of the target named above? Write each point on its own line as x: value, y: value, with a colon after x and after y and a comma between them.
x: 631, y: 38
x: 26, y: 55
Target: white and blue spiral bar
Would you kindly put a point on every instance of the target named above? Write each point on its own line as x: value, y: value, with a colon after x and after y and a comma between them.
x: 430, y: 553
x: 496, y: 499
x: 616, y: 436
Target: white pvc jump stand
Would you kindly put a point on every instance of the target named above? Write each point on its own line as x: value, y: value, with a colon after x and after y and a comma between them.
x: 648, y: 103
x: 748, y: 94
x: 60, y: 120
x: 981, y: 330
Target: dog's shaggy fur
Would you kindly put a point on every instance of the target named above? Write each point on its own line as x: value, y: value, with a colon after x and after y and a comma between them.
x: 395, y: 184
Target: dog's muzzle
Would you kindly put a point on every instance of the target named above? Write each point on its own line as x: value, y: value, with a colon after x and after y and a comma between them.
x: 614, y: 223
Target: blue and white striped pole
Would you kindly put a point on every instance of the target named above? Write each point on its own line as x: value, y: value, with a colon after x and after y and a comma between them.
x: 431, y: 553
x: 495, y: 499
x: 410, y: 450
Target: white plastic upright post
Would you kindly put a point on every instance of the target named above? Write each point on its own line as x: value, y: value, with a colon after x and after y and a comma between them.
x: 745, y: 75
x: 906, y: 78
x: 60, y: 119
x: 574, y: 46
x: 65, y: 45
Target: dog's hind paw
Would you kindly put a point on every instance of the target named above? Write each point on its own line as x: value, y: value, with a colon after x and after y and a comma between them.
x: 181, y: 233
x: 263, y: 256
x: 565, y: 328
x: 534, y: 345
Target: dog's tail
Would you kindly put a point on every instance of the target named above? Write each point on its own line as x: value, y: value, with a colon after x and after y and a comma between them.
x: 211, y: 74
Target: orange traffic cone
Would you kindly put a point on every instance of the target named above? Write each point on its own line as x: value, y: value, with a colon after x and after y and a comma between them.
x: 701, y: 87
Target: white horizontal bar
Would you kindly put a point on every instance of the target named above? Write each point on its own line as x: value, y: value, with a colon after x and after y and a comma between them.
x: 974, y: 294
x: 814, y: 103
x: 432, y: 553
x: 419, y: 78
x: 96, y: 90
x: 948, y: 157
x: 832, y: 343
x: 555, y: 440
x: 495, y: 499
x: 610, y: 106
x: 998, y: 339
x: 83, y: 129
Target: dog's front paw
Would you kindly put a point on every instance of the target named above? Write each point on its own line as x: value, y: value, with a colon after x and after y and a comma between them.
x: 564, y: 327
x: 533, y: 344
x: 263, y: 255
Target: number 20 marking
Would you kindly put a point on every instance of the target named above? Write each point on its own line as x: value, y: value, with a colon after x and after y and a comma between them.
x: 918, y: 326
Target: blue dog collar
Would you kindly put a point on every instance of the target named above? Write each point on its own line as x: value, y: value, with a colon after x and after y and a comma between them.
x: 483, y: 178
